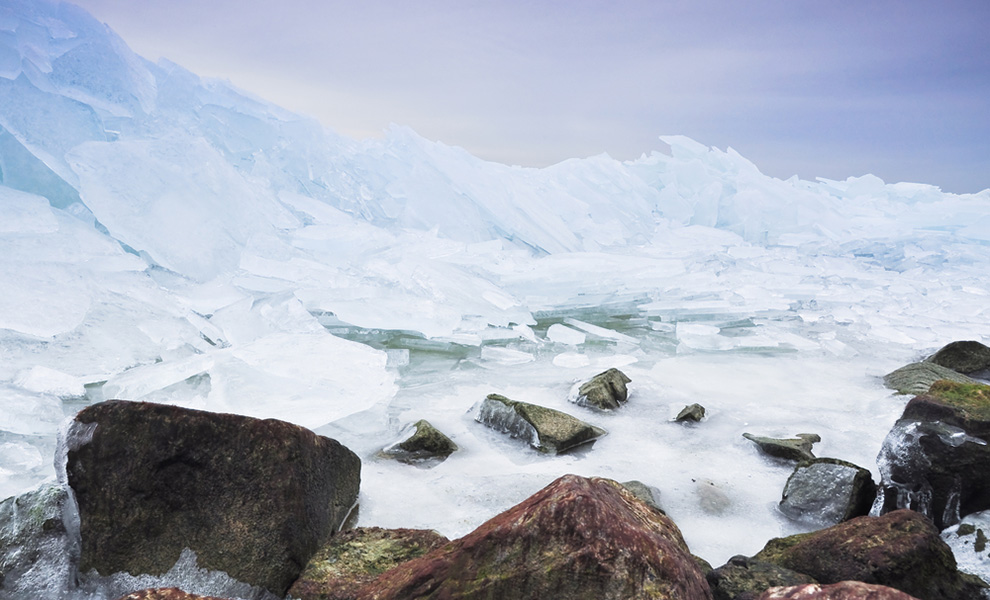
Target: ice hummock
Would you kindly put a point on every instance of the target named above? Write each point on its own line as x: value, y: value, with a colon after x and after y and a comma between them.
x: 167, y: 237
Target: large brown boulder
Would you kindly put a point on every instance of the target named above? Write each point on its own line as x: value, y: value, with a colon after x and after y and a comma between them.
x: 354, y: 558
x: 846, y: 590
x: 936, y: 458
x: 252, y: 498
x: 901, y: 550
x: 576, y: 539
x: 166, y: 594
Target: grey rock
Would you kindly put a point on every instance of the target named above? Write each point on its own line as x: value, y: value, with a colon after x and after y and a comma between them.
x: 917, y: 378
x: 421, y: 443
x: 548, y: 430
x: 36, y: 550
x: 694, y: 412
x: 744, y: 578
x: 797, y: 449
x: 964, y: 357
x: 647, y: 493
x: 827, y: 491
x: 606, y: 391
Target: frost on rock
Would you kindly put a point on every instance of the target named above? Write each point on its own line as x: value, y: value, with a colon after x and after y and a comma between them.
x: 545, y: 429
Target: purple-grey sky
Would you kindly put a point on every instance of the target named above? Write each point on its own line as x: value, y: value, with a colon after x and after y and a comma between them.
x: 898, y: 88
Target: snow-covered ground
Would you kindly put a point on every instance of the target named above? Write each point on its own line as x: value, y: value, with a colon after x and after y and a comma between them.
x: 167, y: 238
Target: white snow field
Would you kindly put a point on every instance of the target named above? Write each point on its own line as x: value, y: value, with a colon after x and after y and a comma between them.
x: 169, y: 238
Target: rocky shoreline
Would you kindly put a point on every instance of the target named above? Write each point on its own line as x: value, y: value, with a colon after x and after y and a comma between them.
x: 156, y: 502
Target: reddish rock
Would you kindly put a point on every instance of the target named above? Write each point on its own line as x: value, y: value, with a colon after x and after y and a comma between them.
x: 166, y: 594
x: 253, y: 498
x: 901, y: 549
x: 846, y: 590
x: 357, y: 557
x: 576, y: 539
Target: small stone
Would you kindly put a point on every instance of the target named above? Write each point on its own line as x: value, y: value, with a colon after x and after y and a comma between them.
x: 605, y: 391
x: 694, y: 412
x: 981, y: 541
x: 647, y: 493
x: 546, y: 429
x: 422, y: 444
x: 798, y: 448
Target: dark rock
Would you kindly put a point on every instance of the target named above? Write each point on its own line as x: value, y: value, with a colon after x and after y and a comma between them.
x: 798, y: 448
x: 545, y: 429
x: 901, y: 550
x: 576, y: 539
x: 846, y: 590
x: 694, y: 412
x: 252, y: 498
x: 827, y: 491
x: 745, y: 578
x: 166, y: 594
x: 647, y: 493
x: 936, y: 459
x: 963, y: 357
x: 421, y: 443
x: 917, y: 378
x: 606, y: 391
x: 35, y: 548
x: 357, y: 557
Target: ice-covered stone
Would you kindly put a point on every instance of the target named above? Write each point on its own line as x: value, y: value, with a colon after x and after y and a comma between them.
x: 605, y: 391
x: 827, y: 491
x: 545, y: 429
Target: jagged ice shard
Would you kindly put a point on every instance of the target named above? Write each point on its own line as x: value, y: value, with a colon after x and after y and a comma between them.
x: 169, y: 238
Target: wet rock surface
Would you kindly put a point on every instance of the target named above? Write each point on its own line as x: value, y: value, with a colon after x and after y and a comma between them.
x: 827, y: 491
x: 744, y: 578
x: 576, y: 539
x: 797, y: 449
x: 548, y: 430
x: 252, y: 498
x: 356, y: 557
x: 35, y: 547
x: 846, y: 590
x: 605, y: 391
x: 936, y: 458
x: 901, y: 549
x: 166, y: 594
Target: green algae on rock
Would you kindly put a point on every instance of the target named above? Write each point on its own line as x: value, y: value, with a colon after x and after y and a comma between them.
x: 422, y: 444
x: 605, y: 391
x: 548, y: 430
x: 917, y: 378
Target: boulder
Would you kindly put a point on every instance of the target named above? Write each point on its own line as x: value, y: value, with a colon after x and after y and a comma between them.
x: 917, y: 378
x: 421, y: 443
x: 36, y: 550
x: 694, y: 412
x: 827, y: 491
x: 356, y: 557
x: 576, y: 539
x: 605, y: 391
x: 251, y: 498
x: 744, y: 578
x: 166, y: 594
x: 963, y: 357
x: 901, y: 549
x: 546, y: 429
x: 846, y: 590
x: 936, y: 459
x: 797, y: 449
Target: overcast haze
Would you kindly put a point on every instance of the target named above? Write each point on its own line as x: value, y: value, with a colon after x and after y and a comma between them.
x: 896, y: 88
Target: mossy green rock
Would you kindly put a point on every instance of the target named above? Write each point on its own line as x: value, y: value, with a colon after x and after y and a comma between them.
x: 827, y: 491
x: 693, y: 412
x: 964, y: 357
x: 744, y: 578
x: 356, y: 557
x: 796, y: 449
x: 548, y: 430
x: 901, y: 549
x: 606, y: 391
x: 936, y: 458
x: 423, y: 444
x: 917, y: 378
x: 576, y: 539
x: 253, y: 498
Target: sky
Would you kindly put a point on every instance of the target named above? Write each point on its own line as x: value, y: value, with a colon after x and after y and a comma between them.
x: 897, y: 88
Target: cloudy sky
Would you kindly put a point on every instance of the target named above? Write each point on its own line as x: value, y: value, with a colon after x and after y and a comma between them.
x: 898, y: 88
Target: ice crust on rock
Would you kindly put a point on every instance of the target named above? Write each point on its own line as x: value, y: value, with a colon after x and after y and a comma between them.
x: 166, y: 237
